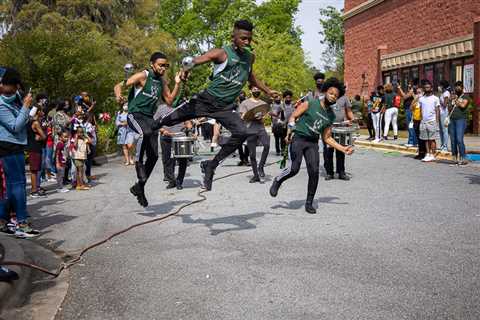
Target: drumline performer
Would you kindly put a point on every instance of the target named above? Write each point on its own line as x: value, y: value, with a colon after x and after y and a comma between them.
x: 233, y: 67
x: 311, y: 120
x: 281, y: 112
x: 166, y: 135
x: 147, y: 87
x: 257, y: 132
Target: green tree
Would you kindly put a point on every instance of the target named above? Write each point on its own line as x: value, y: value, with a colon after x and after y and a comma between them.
x: 331, y: 22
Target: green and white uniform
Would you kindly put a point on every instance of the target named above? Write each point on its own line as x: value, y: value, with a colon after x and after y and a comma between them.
x: 307, y: 132
x: 229, y: 77
x: 144, y: 100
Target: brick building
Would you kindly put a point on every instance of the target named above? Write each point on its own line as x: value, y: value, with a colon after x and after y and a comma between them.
x: 398, y: 40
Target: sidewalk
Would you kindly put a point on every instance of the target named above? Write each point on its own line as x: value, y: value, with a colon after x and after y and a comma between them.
x: 472, y: 144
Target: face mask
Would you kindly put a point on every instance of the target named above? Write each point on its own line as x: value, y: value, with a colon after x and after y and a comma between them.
x: 288, y: 101
x: 319, y: 86
x: 125, y: 108
x: 277, y: 101
x: 458, y: 92
x: 328, y: 101
x: 256, y: 94
x: 9, y: 99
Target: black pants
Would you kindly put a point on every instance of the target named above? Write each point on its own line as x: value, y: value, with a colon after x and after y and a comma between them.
x: 422, y: 144
x: 169, y: 162
x: 280, y: 133
x: 207, y: 131
x: 255, y: 136
x: 328, y: 160
x: 89, y: 162
x: 147, y: 144
x: 303, y: 148
x: 371, y: 130
x: 205, y: 105
x: 243, y: 153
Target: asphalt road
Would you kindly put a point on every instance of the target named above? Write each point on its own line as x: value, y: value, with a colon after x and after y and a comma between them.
x: 398, y: 241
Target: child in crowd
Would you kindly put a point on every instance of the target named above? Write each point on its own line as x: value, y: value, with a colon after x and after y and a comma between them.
x: 61, y: 160
x: 79, y: 151
x: 36, y: 142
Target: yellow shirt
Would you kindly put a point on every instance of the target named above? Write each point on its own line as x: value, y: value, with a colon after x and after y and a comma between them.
x: 416, y: 111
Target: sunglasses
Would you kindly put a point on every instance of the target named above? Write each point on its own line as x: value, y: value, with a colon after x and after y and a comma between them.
x: 164, y: 65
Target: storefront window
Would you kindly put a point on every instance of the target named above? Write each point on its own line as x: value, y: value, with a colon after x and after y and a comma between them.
x: 428, y: 72
x: 439, y: 74
x: 456, y: 71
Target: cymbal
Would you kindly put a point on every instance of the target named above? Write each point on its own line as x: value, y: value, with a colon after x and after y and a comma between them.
x: 257, y: 112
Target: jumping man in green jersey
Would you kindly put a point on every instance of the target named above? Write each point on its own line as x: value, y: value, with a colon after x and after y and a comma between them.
x: 232, y: 69
x: 147, y: 88
x: 314, y: 119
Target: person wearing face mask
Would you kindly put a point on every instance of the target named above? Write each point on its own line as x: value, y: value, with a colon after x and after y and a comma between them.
x: 280, y: 113
x: 14, y: 119
x: 125, y: 135
x: 257, y: 132
x: 147, y: 87
x: 429, y: 127
x: 458, y: 122
x: 242, y: 149
x: 343, y: 114
x: 233, y: 68
x: 311, y: 120
x: 319, y: 80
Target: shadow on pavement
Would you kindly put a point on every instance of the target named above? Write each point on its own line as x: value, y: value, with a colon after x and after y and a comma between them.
x: 161, y: 208
x: 297, y: 204
x: 190, y: 183
x: 474, y: 179
x: 239, y: 222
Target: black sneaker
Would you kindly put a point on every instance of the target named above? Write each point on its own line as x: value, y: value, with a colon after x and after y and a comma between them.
x: 137, y: 192
x: 343, y: 176
x: 274, y: 188
x: 329, y: 177
x: 395, y: 137
x: 208, y: 172
x: 7, y: 274
x: 309, y: 208
x: 171, y: 185
x: 385, y: 138
x: 179, y: 187
x: 261, y: 172
x: 255, y: 179
x: 37, y: 195
x: 7, y: 228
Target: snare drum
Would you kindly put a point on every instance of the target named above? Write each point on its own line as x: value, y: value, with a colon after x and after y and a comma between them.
x: 344, y: 135
x: 182, y: 147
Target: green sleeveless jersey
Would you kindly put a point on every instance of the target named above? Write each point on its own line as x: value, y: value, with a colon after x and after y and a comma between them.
x: 316, y: 119
x: 230, y: 77
x: 145, y: 100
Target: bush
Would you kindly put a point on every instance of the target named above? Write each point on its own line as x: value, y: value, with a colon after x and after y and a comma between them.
x: 106, y: 138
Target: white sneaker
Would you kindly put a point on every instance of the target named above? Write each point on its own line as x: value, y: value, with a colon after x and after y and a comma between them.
x: 63, y: 190
x: 408, y: 145
x: 429, y: 158
x: 213, y: 145
x: 376, y: 141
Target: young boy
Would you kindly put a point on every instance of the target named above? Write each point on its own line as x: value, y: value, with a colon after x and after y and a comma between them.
x: 61, y: 160
x: 79, y: 149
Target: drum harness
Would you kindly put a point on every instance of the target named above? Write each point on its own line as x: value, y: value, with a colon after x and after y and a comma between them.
x: 74, y: 257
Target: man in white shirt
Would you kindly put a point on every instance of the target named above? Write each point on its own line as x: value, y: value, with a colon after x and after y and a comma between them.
x: 429, y: 127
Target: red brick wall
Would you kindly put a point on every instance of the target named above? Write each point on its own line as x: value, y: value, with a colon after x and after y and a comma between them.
x: 401, y: 25
x: 349, y: 4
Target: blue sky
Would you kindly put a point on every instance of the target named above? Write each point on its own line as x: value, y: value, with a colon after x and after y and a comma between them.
x: 307, y: 18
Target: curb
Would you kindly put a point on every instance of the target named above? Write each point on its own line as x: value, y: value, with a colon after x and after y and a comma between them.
x: 14, y: 292
x: 441, y: 155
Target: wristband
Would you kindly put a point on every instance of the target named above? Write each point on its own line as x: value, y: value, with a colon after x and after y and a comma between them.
x: 291, y: 125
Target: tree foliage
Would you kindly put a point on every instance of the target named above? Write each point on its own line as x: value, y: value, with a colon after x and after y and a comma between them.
x: 63, y: 47
x: 331, y: 22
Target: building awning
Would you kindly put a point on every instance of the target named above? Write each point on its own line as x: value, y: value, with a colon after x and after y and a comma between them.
x: 445, y: 50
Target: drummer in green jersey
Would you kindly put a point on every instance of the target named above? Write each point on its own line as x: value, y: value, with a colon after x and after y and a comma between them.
x: 147, y: 88
x: 231, y: 70
x: 311, y: 120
